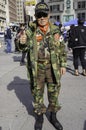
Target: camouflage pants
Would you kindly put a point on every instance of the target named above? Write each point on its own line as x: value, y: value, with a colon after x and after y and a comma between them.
x: 45, y: 76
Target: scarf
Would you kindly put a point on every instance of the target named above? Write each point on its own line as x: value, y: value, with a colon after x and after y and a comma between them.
x: 44, y: 29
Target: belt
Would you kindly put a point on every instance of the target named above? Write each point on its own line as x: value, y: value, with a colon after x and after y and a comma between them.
x: 45, y: 62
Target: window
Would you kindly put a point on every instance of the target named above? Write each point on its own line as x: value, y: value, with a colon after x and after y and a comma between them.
x: 55, y: 17
x: 82, y: 16
x: 82, y: 5
x: 55, y: 8
x: 50, y: 8
x: 58, y: 18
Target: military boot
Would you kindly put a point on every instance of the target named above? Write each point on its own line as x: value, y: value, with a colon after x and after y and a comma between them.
x: 55, y: 122
x: 39, y: 122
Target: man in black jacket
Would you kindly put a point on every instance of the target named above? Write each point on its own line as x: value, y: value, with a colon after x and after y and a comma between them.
x: 78, y: 43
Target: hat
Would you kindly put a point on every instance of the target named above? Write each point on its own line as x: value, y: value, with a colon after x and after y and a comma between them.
x: 41, y: 7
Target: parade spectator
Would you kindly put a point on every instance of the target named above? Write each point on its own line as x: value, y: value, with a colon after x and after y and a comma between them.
x: 8, y: 39
x: 77, y: 42
x: 19, y: 33
x: 16, y: 30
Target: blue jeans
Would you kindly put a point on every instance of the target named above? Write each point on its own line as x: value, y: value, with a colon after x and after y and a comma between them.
x: 9, y: 46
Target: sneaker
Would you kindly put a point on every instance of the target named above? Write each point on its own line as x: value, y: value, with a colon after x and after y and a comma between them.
x: 76, y: 73
x: 84, y: 73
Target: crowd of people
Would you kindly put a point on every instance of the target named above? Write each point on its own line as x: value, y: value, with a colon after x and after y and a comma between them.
x: 44, y: 45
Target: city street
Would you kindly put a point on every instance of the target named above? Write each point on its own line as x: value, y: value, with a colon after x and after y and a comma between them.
x: 16, y: 111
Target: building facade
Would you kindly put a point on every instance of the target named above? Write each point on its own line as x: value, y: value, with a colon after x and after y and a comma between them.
x: 69, y: 12
x: 56, y: 9
x: 30, y: 9
x: 80, y: 8
x: 20, y: 11
x: 11, y: 15
x: 2, y: 14
x: 65, y: 10
x: 12, y: 10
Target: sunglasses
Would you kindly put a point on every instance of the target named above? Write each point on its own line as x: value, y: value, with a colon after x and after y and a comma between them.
x: 41, y: 14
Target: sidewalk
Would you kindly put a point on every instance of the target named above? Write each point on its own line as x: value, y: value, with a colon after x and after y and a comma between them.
x: 16, y: 101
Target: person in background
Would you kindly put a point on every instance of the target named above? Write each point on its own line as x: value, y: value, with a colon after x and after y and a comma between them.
x: 77, y: 42
x: 19, y: 33
x: 16, y: 46
x: 60, y: 27
x: 46, y: 63
x: 15, y: 30
x: 8, y: 39
x: 69, y: 37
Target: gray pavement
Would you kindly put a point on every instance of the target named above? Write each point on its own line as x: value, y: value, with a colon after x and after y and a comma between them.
x: 16, y: 111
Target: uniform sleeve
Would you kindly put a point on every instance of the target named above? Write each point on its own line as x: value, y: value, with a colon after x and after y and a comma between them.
x: 59, y: 47
x: 62, y: 55
x: 62, y: 50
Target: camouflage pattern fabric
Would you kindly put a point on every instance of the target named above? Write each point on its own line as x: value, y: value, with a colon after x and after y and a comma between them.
x: 54, y: 57
x: 44, y: 74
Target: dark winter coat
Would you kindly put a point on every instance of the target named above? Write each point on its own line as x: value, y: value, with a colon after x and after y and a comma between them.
x: 77, y: 37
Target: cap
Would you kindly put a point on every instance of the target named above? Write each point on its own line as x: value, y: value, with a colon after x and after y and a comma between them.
x: 41, y: 7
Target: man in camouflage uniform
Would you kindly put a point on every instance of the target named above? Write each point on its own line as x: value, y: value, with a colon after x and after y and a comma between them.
x: 46, y: 62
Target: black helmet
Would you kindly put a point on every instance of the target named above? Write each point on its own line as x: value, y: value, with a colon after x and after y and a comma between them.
x: 41, y: 7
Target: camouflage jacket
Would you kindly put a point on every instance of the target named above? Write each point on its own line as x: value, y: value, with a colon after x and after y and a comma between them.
x: 56, y: 48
